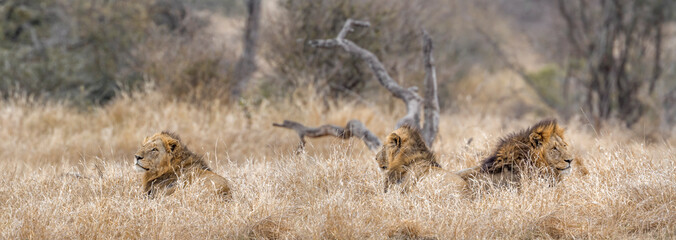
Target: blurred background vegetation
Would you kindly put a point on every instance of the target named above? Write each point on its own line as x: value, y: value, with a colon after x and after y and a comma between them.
x: 603, y: 60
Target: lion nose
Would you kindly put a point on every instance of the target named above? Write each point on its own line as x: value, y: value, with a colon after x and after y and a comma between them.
x: 138, y: 157
x: 568, y: 160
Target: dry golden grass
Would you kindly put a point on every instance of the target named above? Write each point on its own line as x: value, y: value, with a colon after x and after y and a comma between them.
x: 334, y: 190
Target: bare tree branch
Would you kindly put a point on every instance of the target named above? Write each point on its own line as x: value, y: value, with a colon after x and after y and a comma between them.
x: 354, y: 128
x: 431, y: 125
x: 410, y: 96
x: 412, y: 100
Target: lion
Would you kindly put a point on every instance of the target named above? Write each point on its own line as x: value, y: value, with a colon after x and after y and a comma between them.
x: 406, y: 159
x: 539, y: 151
x: 165, y: 162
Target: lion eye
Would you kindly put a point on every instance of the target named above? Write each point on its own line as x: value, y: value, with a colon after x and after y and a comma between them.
x: 154, y: 150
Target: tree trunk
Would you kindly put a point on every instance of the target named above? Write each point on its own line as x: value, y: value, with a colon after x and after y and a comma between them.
x: 246, y: 65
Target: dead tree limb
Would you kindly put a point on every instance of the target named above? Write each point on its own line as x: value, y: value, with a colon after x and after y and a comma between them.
x: 409, y: 96
x: 412, y: 100
x: 431, y: 125
x: 354, y: 128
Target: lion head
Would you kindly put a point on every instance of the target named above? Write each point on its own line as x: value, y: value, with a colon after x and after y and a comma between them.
x: 401, y: 147
x: 405, y: 158
x: 541, y: 147
x: 155, y: 151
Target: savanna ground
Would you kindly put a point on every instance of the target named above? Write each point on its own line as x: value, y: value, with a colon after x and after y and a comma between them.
x: 68, y: 173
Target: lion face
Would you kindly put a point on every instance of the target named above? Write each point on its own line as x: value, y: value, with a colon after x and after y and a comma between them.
x: 391, y: 145
x: 381, y: 158
x: 557, y: 155
x: 155, y: 150
x: 399, y: 146
x: 550, y: 147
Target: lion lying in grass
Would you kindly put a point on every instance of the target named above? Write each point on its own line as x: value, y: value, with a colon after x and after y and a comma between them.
x: 166, y: 161
x: 539, y: 151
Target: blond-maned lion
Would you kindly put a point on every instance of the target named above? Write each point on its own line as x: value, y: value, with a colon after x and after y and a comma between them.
x: 539, y: 151
x: 406, y: 160
x: 166, y: 162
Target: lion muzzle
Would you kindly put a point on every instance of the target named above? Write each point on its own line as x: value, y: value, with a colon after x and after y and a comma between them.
x: 137, y: 164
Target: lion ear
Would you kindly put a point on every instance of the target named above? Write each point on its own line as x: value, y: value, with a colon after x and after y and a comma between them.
x: 541, y: 133
x: 171, y: 144
x: 535, y: 139
x: 395, y: 139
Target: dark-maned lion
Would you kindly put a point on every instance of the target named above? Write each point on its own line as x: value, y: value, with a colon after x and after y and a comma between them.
x: 539, y: 151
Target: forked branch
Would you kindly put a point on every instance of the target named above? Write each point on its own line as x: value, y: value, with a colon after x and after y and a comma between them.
x: 409, y: 96
x: 412, y: 100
